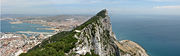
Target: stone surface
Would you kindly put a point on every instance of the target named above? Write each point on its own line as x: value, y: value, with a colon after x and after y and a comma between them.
x: 98, y: 36
x: 130, y: 48
x: 95, y: 37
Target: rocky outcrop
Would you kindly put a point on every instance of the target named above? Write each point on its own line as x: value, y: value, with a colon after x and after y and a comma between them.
x: 92, y: 38
x: 97, y: 37
x: 130, y: 48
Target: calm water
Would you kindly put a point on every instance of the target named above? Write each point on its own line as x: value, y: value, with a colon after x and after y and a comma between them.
x: 159, y: 35
x: 7, y: 27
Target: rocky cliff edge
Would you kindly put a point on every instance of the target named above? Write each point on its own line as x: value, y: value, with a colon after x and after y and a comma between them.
x: 92, y: 38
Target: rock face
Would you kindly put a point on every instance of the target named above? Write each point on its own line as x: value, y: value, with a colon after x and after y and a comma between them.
x: 130, y: 48
x: 92, y: 38
x: 97, y: 36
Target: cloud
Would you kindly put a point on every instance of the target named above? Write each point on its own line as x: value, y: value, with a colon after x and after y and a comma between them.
x: 89, y: 6
x: 47, y: 2
x: 38, y: 6
x: 37, y: 2
x: 30, y: 6
x: 164, y: 0
x: 57, y: 2
x: 170, y: 10
x: 167, y: 7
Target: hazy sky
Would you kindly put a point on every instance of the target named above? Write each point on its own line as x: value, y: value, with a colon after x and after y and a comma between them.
x: 162, y: 7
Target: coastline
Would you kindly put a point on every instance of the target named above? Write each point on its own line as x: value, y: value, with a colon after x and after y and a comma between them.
x: 16, y: 22
x: 50, y: 27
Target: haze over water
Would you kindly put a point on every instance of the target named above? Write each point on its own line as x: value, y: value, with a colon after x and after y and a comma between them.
x: 159, y: 35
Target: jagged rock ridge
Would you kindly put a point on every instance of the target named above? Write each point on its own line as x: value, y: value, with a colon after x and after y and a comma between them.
x: 94, y: 38
x: 97, y: 36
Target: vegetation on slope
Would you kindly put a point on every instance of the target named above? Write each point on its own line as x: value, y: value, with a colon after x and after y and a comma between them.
x: 63, y: 42
x: 102, y: 13
x: 93, y: 19
x: 99, y: 15
x: 56, y: 45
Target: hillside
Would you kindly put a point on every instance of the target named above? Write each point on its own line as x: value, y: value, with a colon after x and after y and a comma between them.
x: 92, y: 38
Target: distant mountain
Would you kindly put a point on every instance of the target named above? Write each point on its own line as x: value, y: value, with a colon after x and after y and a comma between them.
x: 92, y: 38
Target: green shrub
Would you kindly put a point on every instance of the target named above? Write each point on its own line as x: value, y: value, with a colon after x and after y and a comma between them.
x: 60, y: 44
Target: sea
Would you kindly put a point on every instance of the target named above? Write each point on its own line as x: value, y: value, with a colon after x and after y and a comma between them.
x: 7, y: 27
x: 159, y: 35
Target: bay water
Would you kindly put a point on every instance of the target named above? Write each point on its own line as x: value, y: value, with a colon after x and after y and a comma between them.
x: 7, y: 27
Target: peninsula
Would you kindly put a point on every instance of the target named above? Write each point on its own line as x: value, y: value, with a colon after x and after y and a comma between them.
x: 92, y: 38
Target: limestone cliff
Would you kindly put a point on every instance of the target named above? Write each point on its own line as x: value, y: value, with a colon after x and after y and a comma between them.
x: 130, y: 48
x: 96, y: 36
x: 92, y: 38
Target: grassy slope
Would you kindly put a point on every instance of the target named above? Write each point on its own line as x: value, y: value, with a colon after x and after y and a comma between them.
x: 56, y: 45
x: 61, y: 43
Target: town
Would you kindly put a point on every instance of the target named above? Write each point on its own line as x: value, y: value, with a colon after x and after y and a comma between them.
x: 13, y: 44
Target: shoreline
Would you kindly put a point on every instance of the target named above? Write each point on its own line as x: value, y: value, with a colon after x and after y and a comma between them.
x: 49, y: 26
x: 16, y: 22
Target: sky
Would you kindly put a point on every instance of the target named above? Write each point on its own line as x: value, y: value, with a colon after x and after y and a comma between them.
x: 127, y: 7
